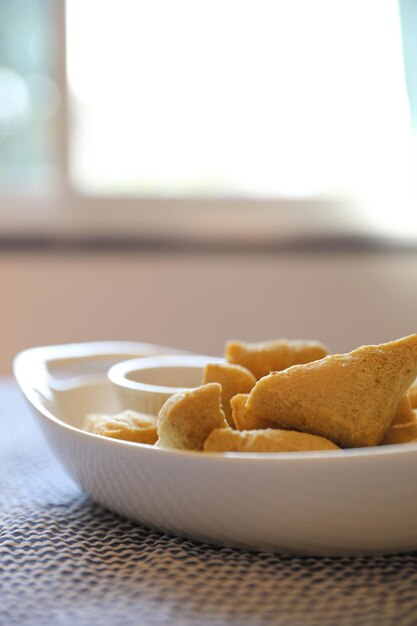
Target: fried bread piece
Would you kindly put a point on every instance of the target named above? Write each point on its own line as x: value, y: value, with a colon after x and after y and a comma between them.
x: 348, y: 398
x: 243, y: 418
x: 128, y: 425
x: 402, y: 433
x: 272, y: 356
x: 186, y: 419
x: 267, y: 440
x: 234, y: 379
x: 412, y: 394
x: 403, y: 413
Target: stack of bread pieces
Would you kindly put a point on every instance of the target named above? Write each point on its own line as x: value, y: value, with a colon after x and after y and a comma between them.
x: 285, y: 396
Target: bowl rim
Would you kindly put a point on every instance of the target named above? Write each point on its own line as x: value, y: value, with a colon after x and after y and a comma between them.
x: 343, y: 455
x: 32, y: 383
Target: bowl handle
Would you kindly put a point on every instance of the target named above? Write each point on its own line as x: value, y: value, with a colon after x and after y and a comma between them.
x: 41, y: 371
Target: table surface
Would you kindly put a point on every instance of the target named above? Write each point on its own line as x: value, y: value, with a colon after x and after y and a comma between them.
x: 65, y: 560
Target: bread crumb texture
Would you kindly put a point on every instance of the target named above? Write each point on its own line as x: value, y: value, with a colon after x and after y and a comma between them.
x: 268, y: 440
x: 234, y: 379
x: 264, y: 357
x: 128, y: 425
x: 186, y: 419
x: 349, y: 398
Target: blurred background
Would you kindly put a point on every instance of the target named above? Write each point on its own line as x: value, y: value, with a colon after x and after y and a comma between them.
x: 186, y: 172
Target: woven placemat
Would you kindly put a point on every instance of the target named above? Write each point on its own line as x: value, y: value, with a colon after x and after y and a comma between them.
x: 67, y: 561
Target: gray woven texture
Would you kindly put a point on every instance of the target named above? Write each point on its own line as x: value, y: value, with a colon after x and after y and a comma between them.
x: 66, y: 561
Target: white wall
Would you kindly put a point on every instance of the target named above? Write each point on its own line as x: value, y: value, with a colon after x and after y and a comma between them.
x: 198, y: 301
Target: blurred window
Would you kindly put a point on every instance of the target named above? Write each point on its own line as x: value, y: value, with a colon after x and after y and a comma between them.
x: 234, y: 97
x: 277, y: 100
x: 29, y: 96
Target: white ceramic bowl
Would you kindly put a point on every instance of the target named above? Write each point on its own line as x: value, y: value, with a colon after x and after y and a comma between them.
x: 145, y: 384
x: 361, y: 501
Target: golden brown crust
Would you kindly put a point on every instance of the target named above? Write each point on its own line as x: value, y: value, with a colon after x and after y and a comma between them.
x: 402, y: 433
x: 348, y: 398
x: 128, y: 425
x: 275, y: 355
x: 267, y: 440
x: 243, y: 419
x: 412, y: 394
x: 403, y: 413
x: 233, y: 379
x: 186, y: 419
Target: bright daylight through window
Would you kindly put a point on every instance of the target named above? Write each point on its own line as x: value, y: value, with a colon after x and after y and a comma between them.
x: 258, y: 97
x: 255, y: 99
